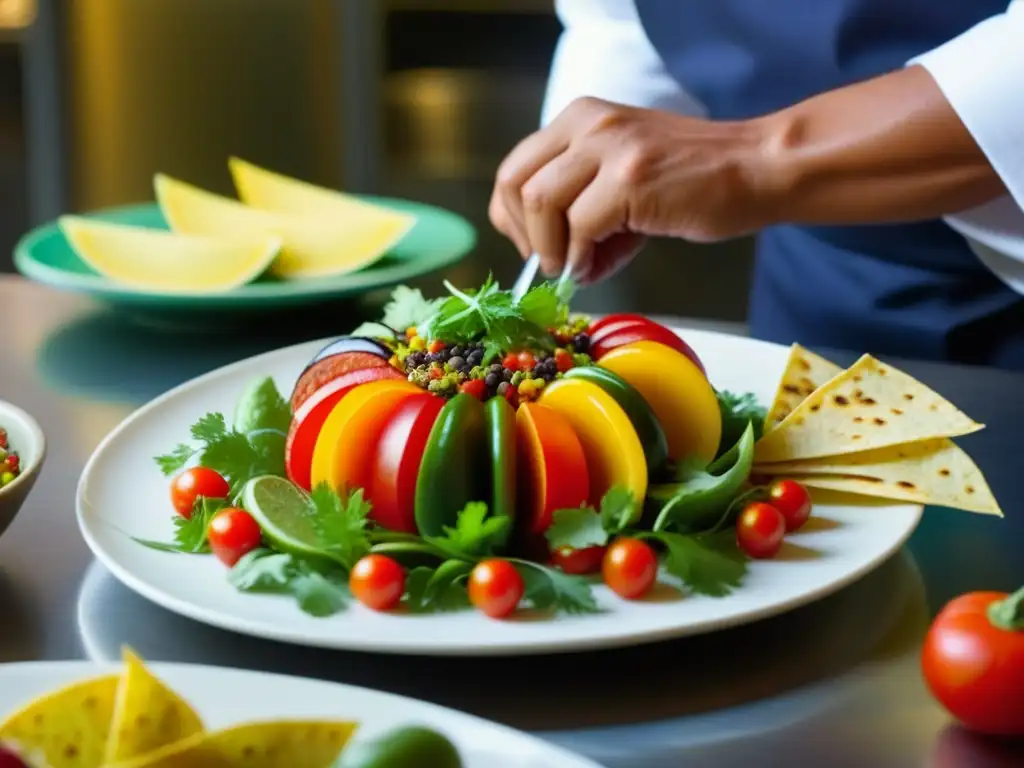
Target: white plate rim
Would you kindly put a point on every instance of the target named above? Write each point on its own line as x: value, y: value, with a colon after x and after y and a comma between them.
x: 280, y: 632
x: 168, y: 671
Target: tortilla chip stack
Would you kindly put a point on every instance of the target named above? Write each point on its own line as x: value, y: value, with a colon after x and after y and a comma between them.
x: 870, y: 430
x: 133, y: 720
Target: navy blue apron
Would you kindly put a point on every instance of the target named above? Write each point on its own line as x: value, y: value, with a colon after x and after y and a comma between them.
x: 914, y: 290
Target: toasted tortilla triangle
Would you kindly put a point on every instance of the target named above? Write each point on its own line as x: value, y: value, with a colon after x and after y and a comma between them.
x: 804, y: 373
x: 67, y: 728
x: 869, y: 405
x: 935, y: 472
x: 148, y: 715
x: 271, y: 744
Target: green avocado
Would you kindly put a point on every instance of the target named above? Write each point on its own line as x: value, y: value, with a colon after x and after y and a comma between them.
x: 645, y: 423
x: 501, y: 444
x: 455, y: 468
x: 408, y: 747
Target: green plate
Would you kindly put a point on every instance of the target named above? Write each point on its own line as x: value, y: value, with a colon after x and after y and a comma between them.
x: 439, y: 239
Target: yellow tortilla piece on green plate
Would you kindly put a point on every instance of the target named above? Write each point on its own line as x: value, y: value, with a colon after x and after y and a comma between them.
x: 935, y: 472
x: 805, y: 372
x: 869, y: 405
x: 271, y: 744
x: 67, y: 728
x: 148, y: 715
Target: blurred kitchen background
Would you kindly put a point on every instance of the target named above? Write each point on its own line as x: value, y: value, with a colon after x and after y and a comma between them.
x: 410, y: 98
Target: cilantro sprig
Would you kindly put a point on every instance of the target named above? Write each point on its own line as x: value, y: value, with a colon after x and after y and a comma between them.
x: 407, y: 308
x: 190, y: 535
x: 319, y: 588
x: 588, y: 527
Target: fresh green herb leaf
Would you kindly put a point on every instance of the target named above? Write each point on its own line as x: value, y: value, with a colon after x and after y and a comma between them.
x: 576, y: 529
x: 340, y: 523
x: 237, y: 456
x: 172, y: 463
x: 320, y: 591
x: 408, y: 308
x: 552, y: 589
x: 438, y: 589
x: 696, y: 501
x: 737, y: 412
x: 190, y: 534
x: 543, y: 306
x: 261, y: 407
x: 586, y: 527
x: 475, y: 535
x: 710, y: 565
x: 490, y: 313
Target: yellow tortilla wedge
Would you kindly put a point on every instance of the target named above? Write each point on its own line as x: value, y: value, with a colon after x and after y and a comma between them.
x: 67, y: 728
x: 935, y: 472
x: 805, y: 372
x: 148, y: 715
x: 869, y: 405
x: 272, y: 744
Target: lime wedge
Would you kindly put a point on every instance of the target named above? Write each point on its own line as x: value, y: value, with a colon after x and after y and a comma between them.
x: 284, y: 512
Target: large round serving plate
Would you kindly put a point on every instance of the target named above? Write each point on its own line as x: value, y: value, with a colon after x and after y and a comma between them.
x: 122, y: 495
x: 226, y: 697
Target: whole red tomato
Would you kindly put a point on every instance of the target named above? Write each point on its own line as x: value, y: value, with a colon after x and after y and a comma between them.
x: 792, y: 500
x: 578, y: 561
x: 973, y: 661
x: 630, y: 568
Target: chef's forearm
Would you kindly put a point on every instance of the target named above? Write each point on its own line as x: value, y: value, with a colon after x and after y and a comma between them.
x: 888, y: 149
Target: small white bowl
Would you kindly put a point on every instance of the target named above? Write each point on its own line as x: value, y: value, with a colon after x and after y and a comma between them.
x: 25, y: 438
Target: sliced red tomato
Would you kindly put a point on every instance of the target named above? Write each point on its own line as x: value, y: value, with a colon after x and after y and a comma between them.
x: 598, y: 327
x: 619, y: 336
x: 550, y: 464
x: 195, y: 482
x: 233, y: 533
x: 397, y: 463
x: 311, y: 415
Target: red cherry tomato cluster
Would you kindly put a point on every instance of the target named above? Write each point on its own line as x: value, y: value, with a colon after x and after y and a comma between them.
x: 762, y: 525
x: 232, y: 532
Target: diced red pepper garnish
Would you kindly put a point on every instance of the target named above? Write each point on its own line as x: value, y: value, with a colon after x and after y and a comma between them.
x: 436, y: 373
x: 526, y: 361
x: 563, y: 359
x: 512, y: 396
x: 475, y: 387
x: 435, y: 346
x: 511, y: 361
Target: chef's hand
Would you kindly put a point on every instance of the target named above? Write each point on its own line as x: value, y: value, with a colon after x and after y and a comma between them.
x: 591, y: 185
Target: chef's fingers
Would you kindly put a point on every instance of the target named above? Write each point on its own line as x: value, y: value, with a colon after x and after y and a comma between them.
x: 611, y: 255
x: 546, y: 197
x: 597, y: 213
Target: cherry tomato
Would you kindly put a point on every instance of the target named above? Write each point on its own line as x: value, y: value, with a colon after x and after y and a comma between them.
x: 378, y: 582
x: 629, y: 568
x: 793, y: 501
x: 475, y: 387
x: 232, y: 534
x: 495, y: 587
x: 973, y: 661
x: 511, y: 361
x: 563, y: 359
x: 526, y: 361
x: 435, y: 346
x: 197, y: 481
x: 580, y: 561
x: 760, y: 529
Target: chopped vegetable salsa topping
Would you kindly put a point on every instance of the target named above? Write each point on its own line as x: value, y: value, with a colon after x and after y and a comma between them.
x: 10, y: 462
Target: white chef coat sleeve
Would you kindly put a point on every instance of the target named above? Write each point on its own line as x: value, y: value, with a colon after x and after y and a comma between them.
x: 604, y: 52
x: 981, y: 73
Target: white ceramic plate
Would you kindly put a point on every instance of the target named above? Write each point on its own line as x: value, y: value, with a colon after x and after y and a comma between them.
x: 122, y: 494
x: 225, y: 697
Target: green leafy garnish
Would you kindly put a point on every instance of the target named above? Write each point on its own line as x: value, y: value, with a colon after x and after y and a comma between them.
x: 319, y: 590
x: 474, y: 536
x: 490, y: 314
x: 262, y: 407
x: 237, y: 456
x: 706, y: 565
x: 340, y: 524
x: 407, y: 308
x: 549, y: 589
x: 587, y: 527
x: 438, y: 589
x: 699, y: 495
x: 190, y: 535
x: 737, y: 412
